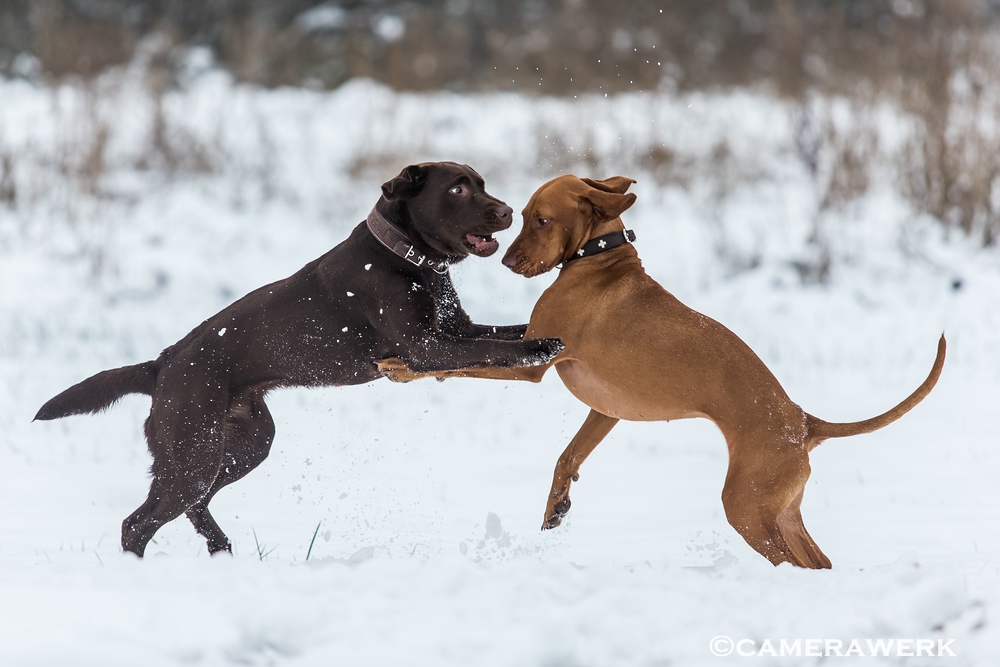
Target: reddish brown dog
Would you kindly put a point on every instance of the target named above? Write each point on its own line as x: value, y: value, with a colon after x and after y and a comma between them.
x: 633, y: 351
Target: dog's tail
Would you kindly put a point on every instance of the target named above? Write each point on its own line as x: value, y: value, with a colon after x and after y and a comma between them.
x: 820, y: 430
x: 101, y: 391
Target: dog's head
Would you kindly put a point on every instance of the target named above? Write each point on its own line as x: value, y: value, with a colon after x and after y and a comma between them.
x: 561, y: 216
x: 445, y: 207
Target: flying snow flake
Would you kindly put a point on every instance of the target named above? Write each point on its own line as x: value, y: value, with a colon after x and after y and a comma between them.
x: 350, y: 294
x: 368, y: 267
x: 344, y: 329
x: 222, y: 331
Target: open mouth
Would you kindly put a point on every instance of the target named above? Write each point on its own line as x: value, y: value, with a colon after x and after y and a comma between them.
x: 481, y: 245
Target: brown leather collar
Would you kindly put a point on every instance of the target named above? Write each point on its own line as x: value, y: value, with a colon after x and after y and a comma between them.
x: 399, y: 243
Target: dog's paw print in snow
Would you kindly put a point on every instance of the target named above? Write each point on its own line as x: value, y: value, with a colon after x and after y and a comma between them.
x: 496, y: 544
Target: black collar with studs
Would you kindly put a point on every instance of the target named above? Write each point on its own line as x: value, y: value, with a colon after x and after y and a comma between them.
x: 399, y: 243
x: 602, y: 244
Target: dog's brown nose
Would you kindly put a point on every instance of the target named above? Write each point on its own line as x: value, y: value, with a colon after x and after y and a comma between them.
x: 511, y: 259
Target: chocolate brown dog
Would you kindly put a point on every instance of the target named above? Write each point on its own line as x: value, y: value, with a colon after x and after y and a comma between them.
x: 633, y: 351
x: 383, y: 291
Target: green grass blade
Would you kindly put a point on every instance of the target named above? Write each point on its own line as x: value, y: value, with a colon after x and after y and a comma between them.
x: 313, y: 541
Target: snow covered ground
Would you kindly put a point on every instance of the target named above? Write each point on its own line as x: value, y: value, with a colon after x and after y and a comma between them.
x: 428, y: 497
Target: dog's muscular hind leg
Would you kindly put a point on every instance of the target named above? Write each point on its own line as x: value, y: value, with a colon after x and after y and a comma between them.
x: 137, y: 529
x: 248, y: 436
x: 798, y: 538
x: 762, y: 503
x: 186, y: 439
x: 595, y: 428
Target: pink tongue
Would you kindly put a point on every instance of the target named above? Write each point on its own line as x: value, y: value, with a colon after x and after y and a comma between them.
x: 477, y: 242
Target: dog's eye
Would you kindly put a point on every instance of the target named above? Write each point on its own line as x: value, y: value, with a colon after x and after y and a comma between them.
x: 457, y: 190
x: 543, y: 221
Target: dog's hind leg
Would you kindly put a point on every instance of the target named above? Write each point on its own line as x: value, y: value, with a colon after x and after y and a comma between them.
x: 248, y: 436
x: 595, y: 428
x: 799, y: 539
x: 761, y: 498
x: 186, y: 439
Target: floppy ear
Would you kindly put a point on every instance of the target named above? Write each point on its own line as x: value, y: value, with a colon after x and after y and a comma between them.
x: 616, y: 184
x: 408, y: 184
x: 607, y: 205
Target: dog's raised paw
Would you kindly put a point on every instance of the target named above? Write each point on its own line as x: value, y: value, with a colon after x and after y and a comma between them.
x: 560, y: 510
x: 546, y: 350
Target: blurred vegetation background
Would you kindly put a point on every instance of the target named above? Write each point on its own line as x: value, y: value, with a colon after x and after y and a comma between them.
x: 558, y: 47
x: 934, y: 60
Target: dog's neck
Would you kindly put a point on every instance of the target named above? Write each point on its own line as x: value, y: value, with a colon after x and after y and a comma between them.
x: 594, y: 233
x: 605, y: 227
x: 400, y: 243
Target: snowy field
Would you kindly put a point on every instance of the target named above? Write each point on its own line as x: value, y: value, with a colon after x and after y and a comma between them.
x: 428, y: 497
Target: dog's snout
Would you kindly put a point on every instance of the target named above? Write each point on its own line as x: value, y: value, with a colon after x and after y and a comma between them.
x: 505, y: 212
x: 511, y: 259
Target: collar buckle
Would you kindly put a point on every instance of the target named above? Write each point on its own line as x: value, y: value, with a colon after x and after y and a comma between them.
x: 409, y: 254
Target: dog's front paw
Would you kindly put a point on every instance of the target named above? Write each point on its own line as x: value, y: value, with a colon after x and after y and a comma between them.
x: 545, y: 350
x: 396, y: 370
x: 555, y: 515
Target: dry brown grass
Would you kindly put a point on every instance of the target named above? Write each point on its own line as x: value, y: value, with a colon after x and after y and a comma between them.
x: 951, y: 165
x: 70, y: 42
x: 552, y: 47
x: 852, y: 154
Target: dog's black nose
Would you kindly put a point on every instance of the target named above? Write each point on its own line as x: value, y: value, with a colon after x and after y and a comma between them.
x: 504, y: 213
